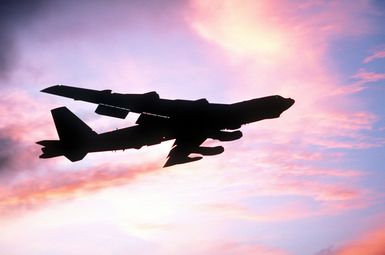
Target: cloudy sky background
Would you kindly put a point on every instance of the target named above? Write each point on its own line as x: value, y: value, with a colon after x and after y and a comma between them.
x: 310, y: 182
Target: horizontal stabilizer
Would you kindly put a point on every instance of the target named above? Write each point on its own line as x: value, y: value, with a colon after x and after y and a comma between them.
x: 52, y: 148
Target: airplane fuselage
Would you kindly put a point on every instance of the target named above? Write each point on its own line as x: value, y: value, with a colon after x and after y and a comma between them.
x: 212, y: 120
x: 190, y: 123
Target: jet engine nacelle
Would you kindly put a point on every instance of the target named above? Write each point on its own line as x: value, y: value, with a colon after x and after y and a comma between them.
x: 111, y: 111
x: 225, y: 136
x: 209, y: 151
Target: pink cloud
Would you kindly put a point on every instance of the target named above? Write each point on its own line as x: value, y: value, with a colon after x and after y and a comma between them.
x: 228, y: 248
x: 38, y: 190
x: 281, y: 48
x: 277, y: 213
x: 370, y: 243
x: 363, y: 76
x: 30, y: 182
x: 23, y: 122
x: 318, y: 191
x: 271, y: 28
x: 325, y: 128
x: 366, y: 76
x: 270, y: 48
x: 378, y: 54
x: 276, y: 182
x: 281, y: 171
x: 330, y: 198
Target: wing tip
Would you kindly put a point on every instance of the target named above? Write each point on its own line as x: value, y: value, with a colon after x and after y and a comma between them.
x: 51, y: 89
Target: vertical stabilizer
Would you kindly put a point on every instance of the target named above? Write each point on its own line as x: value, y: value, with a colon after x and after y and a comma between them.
x: 74, y: 135
x: 69, y: 127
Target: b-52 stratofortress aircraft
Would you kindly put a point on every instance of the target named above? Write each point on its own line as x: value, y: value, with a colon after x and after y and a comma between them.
x: 190, y: 123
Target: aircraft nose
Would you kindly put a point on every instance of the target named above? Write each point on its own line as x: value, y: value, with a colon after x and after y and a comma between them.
x: 289, y: 102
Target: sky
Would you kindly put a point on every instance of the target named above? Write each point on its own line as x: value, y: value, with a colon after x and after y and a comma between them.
x: 310, y: 182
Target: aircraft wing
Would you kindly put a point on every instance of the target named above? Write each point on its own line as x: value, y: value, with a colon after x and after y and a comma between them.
x: 182, y: 148
x: 187, y: 144
x: 119, y: 105
x: 111, y: 104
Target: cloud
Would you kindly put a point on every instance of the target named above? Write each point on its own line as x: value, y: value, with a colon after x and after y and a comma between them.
x: 363, y: 77
x: 313, y: 177
x: 313, y: 199
x: 326, y: 251
x: 23, y: 122
x: 370, y: 243
x: 15, y: 157
x: 101, y: 20
x: 282, y: 48
x: 277, y: 28
x: 269, y: 48
x: 228, y: 248
x: 285, y: 212
x: 377, y: 54
x: 6, y: 147
x: 15, y: 15
x: 29, y: 182
x: 366, y: 76
x: 41, y: 189
x: 284, y: 170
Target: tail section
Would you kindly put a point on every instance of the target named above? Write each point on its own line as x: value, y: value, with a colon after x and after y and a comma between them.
x: 74, y: 136
x: 51, y: 149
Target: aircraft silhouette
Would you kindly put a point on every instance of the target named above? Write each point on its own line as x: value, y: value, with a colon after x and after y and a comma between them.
x: 190, y: 123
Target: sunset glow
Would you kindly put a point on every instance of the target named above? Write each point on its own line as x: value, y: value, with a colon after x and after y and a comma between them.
x: 309, y: 182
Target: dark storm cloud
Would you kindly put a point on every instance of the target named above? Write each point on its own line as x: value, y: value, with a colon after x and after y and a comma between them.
x: 15, y: 14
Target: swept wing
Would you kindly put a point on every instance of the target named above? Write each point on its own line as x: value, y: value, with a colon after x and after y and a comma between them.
x: 186, y: 145
x: 109, y: 103
x: 119, y: 105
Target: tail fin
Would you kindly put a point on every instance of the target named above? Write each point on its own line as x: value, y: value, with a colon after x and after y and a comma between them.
x: 74, y: 136
x: 69, y: 127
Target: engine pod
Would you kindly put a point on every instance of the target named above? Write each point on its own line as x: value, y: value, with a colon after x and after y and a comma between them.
x: 112, y: 111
